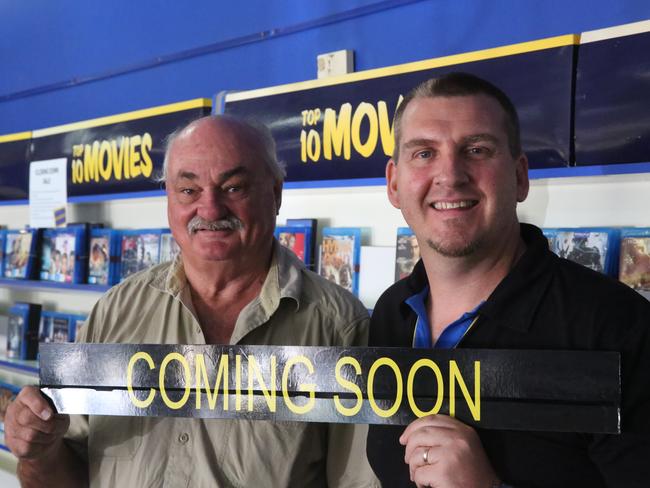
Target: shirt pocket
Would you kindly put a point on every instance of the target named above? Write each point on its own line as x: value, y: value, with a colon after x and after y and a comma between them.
x: 115, y: 437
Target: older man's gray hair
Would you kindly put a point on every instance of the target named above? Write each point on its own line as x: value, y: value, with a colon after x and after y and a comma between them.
x: 255, y: 130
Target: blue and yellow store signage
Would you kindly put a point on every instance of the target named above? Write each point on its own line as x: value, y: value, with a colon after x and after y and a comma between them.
x: 114, y: 155
x: 341, y: 128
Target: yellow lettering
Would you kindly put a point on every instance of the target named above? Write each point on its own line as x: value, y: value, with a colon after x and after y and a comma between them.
x: 348, y: 411
x: 202, y: 375
x: 174, y: 356
x: 129, y: 380
x: 386, y: 127
x: 91, y: 156
x: 364, y: 110
x: 119, y: 156
x: 237, y: 382
x: 409, y: 387
x: 398, y: 393
x: 134, y: 156
x: 474, y: 405
x: 147, y: 164
x: 336, y: 133
x: 105, y: 170
x: 313, y: 145
x: 308, y: 387
x: 254, y: 370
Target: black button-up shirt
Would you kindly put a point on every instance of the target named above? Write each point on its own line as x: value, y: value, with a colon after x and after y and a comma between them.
x: 545, y: 302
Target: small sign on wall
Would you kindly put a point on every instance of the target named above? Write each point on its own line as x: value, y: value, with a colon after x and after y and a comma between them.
x: 47, y: 192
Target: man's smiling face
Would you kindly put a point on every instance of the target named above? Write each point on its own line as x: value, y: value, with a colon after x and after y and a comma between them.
x: 456, y: 180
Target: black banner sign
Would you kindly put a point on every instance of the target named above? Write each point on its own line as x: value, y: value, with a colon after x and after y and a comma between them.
x: 14, y: 175
x: 342, y: 129
x: 116, y: 154
x: 520, y: 390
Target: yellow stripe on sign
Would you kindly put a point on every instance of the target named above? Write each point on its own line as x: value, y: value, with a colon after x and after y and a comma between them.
x: 496, y: 52
x: 125, y: 117
x: 18, y: 136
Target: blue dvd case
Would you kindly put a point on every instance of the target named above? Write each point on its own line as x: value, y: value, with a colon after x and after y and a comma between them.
x: 634, y: 262
x: 3, y: 238
x: 139, y: 250
x: 340, y: 253
x: 76, y: 323
x: 594, y: 247
x: 313, y: 225
x: 103, y: 257
x: 407, y: 252
x: 22, y: 331
x: 168, y: 247
x: 64, y: 255
x: 21, y: 256
x: 298, y: 239
x: 56, y: 327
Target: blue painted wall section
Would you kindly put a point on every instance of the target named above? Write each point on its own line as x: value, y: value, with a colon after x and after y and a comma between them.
x: 72, y: 60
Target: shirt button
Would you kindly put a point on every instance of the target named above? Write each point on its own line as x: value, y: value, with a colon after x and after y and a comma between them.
x: 198, y: 330
x: 183, y: 438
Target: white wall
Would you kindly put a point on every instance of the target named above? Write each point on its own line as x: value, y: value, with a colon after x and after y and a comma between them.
x: 619, y: 200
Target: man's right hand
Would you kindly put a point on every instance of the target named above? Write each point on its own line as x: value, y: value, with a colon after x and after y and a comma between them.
x: 32, y: 428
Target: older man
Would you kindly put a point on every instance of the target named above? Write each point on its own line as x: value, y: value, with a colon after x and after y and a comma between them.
x: 232, y: 284
x: 487, y: 281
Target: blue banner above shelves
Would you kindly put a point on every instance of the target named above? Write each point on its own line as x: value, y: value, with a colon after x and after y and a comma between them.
x: 119, y: 154
x: 612, y: 101
x: 341, y: 129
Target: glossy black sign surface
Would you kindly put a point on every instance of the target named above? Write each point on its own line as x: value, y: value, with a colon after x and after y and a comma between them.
x: 521, y: 390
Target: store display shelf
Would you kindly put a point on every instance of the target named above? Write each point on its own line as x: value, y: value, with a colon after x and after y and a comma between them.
x: 19, y: 365
x: 46, y: 285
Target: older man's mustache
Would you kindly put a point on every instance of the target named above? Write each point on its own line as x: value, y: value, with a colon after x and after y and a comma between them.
x: 229, y: 223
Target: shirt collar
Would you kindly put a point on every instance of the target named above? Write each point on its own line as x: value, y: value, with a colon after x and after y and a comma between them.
x: 529, y: 278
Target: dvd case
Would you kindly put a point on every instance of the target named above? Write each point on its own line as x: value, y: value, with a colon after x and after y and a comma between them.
x: 168, y: 247
x: 103, y: 256
x: 3, y: 238
x: 22, y: 331
x: 634, y: 269
x: 76, y: 323
x: 551, y: 236
x: 313, y: 225
x: 21, y: 253
x: 594, y: 247
x: 64, y: 255
x: 340, y: 252
x: 407, y: 252
x: 297, y: 239
x: 56, y: 327
x: 140, y: 250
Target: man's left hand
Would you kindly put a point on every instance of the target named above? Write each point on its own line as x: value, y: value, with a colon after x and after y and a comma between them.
x: 442, y: 452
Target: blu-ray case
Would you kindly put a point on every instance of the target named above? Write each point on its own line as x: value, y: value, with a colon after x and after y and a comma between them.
x: 407, y: 252
x: 140, y: 249
x: 298, y: 239
x: 594, y: 247
x: 22, y: 331
x: 21, y: 256
x: 168, y: 247
x: 3, y: 238
x: 340, y: 252
x: 313, y: 225
x: 64, y: 254
x: 634, y: 264
x: 103, y: 257
x: 56, y: 327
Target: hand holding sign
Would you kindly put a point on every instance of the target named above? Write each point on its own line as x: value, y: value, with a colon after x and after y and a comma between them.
x: 32, y: 427
x: 442, y: 452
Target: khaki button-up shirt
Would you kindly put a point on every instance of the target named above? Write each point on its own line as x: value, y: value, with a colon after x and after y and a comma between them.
x: 295, y: 307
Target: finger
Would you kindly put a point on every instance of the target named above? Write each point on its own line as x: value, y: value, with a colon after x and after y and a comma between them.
x: 441, y: 421
x: 28, y: 419
x: 31, y: 397
x: 423, y: 438
x: 425, y: 476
